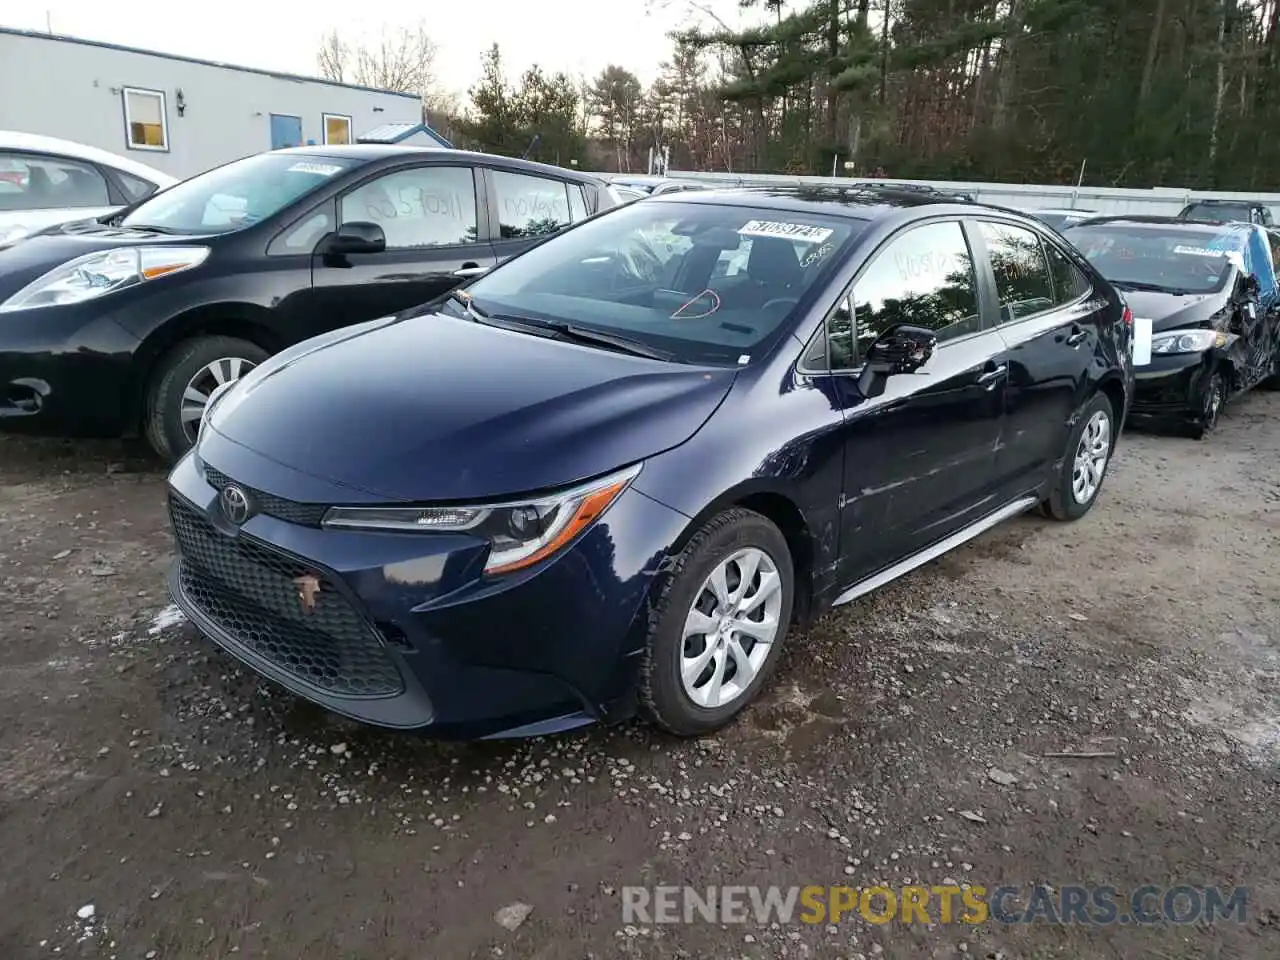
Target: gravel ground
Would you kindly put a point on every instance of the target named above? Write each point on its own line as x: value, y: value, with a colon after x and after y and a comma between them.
x: 157, y: 802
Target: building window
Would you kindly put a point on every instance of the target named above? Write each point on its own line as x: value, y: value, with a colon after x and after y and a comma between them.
x: 144, y: 119
x: 337, y: 128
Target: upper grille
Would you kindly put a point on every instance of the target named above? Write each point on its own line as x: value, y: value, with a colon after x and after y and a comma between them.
x: 249, y: 590
x: 304, y: 514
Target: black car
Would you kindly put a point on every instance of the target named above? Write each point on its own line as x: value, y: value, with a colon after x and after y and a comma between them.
x: 1247, y: 211
x: 1207, y: 308
x: 127, y: 325
x: 611, y: 473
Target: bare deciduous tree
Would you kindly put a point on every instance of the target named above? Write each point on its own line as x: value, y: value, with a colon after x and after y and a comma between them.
x: 402, y: 60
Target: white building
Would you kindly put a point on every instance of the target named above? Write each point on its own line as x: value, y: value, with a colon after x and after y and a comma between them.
x: 179, y: 114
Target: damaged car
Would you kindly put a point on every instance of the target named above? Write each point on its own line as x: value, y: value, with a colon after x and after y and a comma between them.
x: 1207, y: 313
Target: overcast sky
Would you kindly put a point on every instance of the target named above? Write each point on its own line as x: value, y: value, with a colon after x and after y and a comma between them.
x: 284, y: 34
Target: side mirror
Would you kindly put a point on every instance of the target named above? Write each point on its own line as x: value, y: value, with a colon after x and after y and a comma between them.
x: 1250, y: 287
x: 358, y: 237
x: 900, y: 349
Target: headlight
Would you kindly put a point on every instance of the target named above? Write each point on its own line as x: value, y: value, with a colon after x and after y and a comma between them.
x: 106, y: 271
x: 1187, y: 341
x: 520, y: 533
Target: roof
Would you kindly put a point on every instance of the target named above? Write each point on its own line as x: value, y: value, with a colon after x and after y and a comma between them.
x: 1223, y: 201
x: 861, y: 203
x: 295, y: 77
x: 400, y: 131
x: 1178, y: 223
x: 380, y: 151
x: 35, y: 143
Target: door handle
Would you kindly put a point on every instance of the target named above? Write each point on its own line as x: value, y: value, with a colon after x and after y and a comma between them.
x: 470, y: 271
x: 1077, y: 336
x: 994, y: 374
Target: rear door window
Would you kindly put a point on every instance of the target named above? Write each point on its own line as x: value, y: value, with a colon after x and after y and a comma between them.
x: 530, y: 206
x: 34, y: 182
x: 1021, y: 270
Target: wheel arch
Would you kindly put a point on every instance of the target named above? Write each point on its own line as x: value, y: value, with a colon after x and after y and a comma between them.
x: 1112, y: 387
x: 245, y: 321
x: 781, y: 508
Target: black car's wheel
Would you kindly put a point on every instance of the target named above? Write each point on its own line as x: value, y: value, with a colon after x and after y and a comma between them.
x: 182, y: 383
x: 1213, y: 397
x: 1273, y: 382
x: 717, y: 624
x: 1085, y: 462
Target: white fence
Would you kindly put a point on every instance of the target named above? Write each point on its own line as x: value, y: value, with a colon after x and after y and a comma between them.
x: 1157, y: 201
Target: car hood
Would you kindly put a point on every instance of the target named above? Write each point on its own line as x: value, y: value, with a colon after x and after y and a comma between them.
x: 38, y: 254
x: 432, y: 407
x: 1169, y: 311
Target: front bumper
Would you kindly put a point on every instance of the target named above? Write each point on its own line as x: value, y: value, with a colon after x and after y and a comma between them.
x: 405, y: 632
x: 64, y: 371
x: 1169, y: 387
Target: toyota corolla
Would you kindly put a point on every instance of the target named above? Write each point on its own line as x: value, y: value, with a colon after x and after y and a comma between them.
x: 612, y: 474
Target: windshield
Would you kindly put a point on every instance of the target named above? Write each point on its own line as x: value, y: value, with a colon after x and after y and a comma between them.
x: 1173, y: 259
x: 237, y: 195
x: 1218, y: 211
x: 700, y: 282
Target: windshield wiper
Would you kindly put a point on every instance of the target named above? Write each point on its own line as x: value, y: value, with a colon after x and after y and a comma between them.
x: 1145, y: 287
x: 564, y: 330
x: 152, y: 228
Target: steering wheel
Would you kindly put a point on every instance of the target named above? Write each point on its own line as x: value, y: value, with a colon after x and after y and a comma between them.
x: 788, y: 301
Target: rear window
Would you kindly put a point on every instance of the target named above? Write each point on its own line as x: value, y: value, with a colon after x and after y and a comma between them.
x: 1218, y: 211
x: 31, y: 182
x: 706, y: 283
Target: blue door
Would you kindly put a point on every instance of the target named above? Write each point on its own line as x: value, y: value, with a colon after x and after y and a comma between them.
x: 286, y: 131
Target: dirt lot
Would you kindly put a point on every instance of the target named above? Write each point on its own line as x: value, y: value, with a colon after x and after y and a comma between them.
x: 203, y: 814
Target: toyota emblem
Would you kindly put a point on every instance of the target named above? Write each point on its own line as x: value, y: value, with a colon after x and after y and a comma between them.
x: 235, y: 503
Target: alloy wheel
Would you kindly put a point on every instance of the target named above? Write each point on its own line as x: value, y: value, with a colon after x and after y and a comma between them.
x: 727, y: 634
x: 199, y: 388
x: 1092, y: 454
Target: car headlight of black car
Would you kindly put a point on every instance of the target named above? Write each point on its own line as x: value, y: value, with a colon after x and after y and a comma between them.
x: 106, y: 271
x: 520, y: 532
x: 1170, y: 342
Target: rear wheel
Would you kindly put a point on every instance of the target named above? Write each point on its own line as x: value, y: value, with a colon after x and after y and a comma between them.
x: 1085, y: 463
x: 182, y: 383
x: 717, y: 624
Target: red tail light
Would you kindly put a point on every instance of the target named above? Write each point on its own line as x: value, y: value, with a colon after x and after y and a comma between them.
x: 1127, y: 316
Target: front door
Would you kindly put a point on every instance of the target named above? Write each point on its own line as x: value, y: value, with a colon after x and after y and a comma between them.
x: 1049, y: 322
x: 429, y: 215
x: 286, y: 131
x: 918, y: 460
x: 527, y: 208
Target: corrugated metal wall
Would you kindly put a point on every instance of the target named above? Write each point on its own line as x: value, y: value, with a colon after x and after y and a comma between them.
x: 1157, y: 201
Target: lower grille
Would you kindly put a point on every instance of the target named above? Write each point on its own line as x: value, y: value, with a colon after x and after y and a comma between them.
x: 249, y: 590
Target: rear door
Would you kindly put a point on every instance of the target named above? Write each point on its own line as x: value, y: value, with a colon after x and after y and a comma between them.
x: 1049, y: 322
x: 42, y: 190
x: 525, y: 208
x: 433, y: 220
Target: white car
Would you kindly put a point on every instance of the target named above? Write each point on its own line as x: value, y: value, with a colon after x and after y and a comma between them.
x: 45, y: 181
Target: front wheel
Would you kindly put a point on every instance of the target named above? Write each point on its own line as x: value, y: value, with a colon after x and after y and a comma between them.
x: 181, y: 386
x: 717, y: 624
x: 1084, y: 466
x: 1212, y: 399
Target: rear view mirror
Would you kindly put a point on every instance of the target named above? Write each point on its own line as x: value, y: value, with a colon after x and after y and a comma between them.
x: 358, y: 237
x: 900, y: 349
x: 1250, y: 286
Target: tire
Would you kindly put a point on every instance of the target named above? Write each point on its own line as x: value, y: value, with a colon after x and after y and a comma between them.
x: 1212, y: 399
x: 664, y: 696
x: 1064, y: 502
x: 165, y: 429
x: 1273, y: 382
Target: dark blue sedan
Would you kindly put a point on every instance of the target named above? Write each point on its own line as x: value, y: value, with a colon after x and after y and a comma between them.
x: 615, y: 472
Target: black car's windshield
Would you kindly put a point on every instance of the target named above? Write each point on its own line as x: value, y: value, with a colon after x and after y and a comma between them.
x: 1157, y: 257
x: 701, y: 282
x: 1218, y: 211
x: 236, y: 195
